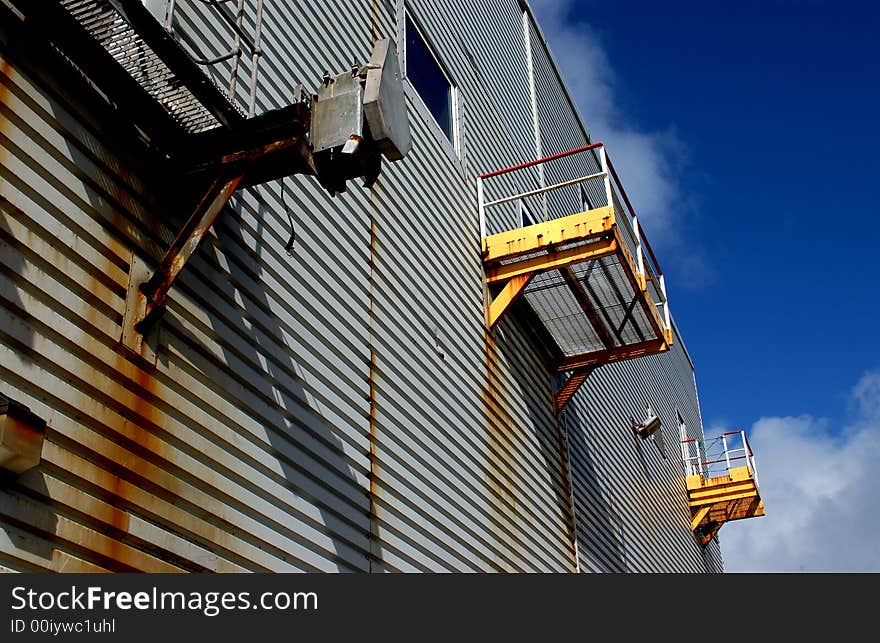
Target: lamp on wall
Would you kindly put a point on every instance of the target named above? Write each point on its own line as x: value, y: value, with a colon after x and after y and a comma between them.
x: 647, y: 428
x: 21, y: 437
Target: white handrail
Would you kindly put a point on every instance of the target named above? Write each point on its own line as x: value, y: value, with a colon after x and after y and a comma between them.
x: 524, y: 195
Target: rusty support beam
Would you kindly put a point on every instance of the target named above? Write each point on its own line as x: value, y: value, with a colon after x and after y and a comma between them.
x: 571, y: 386
x: 617, y: 354
x: 710, y: 531
x: 509, y: 294
x: 155, y: 290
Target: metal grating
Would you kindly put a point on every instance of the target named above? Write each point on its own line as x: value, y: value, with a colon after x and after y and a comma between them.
x: 611, y: 294
x: 117, y: 36
x: 554, y: 304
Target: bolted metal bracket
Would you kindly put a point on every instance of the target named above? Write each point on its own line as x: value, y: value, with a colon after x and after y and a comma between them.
x: 147, y: 294
x: 143, y: 347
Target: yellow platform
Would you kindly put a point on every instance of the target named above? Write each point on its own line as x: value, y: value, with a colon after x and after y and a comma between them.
x: 579, y: 278
x: 714, y: 501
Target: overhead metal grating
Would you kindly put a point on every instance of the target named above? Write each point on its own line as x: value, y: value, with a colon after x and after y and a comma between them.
x: 589, y: 278
x: 109, y: 23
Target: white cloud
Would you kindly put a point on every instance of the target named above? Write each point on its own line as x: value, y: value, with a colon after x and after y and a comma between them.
x: 648, y: 161
x: 819, y: 491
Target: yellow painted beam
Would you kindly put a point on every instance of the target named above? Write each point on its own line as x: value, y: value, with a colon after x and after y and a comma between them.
x: 731, y: 486
x: 553, y: 259
x: 698, y: 517
x: 715, y: 501
x: 728, y: 497
x: 734, y: 475
x: 740, y: 473
x: 640, y: 286
x: 540, y: 236
x: 511, y: 292
x: 637, y: 281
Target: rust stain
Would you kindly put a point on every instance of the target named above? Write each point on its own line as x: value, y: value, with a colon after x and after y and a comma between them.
x: 6, y: 70
x: 136, y: 387
x: 374, y: 21
x: 375, y: 549
x: 565, y: 484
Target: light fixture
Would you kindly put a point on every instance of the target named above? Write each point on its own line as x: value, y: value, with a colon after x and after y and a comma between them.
x: 647, y: 428
x: 21, y: 437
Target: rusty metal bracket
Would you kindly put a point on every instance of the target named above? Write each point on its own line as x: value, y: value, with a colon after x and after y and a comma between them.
x: 156, y: 289
x: 571, y: 386
x: 147, y: 297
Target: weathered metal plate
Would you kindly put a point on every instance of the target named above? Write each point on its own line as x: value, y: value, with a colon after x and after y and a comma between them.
x: 384, y: 102
x: 337, y: 113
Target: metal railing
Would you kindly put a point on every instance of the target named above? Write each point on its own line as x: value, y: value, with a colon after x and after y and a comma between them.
x: 717, y: 456
x: 232, y: 14
x: 646, y: 261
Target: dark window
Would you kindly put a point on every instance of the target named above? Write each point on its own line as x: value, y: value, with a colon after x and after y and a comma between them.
x: 525, y: 215
x: 428, y: 78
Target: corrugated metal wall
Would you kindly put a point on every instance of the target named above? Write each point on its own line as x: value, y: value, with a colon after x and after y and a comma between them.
x: 340, y: 409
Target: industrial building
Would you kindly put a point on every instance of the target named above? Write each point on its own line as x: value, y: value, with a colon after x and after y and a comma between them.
x: 337, y: 286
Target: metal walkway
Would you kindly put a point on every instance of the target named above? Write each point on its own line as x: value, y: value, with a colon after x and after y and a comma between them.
x: 590, y: 278
x: 722, y: 482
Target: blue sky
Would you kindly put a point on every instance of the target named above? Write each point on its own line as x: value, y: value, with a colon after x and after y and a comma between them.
x: 747, y: 136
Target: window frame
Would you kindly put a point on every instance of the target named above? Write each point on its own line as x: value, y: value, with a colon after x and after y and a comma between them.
x: 454, y: 138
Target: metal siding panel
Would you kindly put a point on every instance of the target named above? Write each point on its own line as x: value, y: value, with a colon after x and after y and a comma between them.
x: 301, y: 416
x: 630, y: 502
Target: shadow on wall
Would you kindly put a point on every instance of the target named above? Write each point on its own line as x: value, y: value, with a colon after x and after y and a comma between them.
x: 11, y: 262
x: 540, y: 428
x: 16, y: 337
x: 600, y: 537
x: 261, y: 371
x: 318, y: 497
x: 293, y: 466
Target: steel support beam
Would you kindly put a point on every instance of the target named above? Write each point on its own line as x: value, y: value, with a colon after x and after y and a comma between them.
x: 617, y: 354
x: 155, y: 290
x: 571, y: 386
x: 509, y: 294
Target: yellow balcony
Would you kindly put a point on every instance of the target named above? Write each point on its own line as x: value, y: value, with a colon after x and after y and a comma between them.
x: 722, y: 483
x: 597, y: 296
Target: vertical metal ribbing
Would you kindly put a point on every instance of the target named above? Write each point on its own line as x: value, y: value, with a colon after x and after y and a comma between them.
x: 536, y: 123
x: 255, y: 58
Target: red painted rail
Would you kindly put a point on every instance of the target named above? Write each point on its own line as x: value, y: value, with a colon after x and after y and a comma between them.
x: 612, y: 171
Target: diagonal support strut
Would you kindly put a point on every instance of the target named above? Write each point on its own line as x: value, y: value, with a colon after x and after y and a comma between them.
x: 571, y: 386
x: 155, y: 290
x: 509, y: 294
